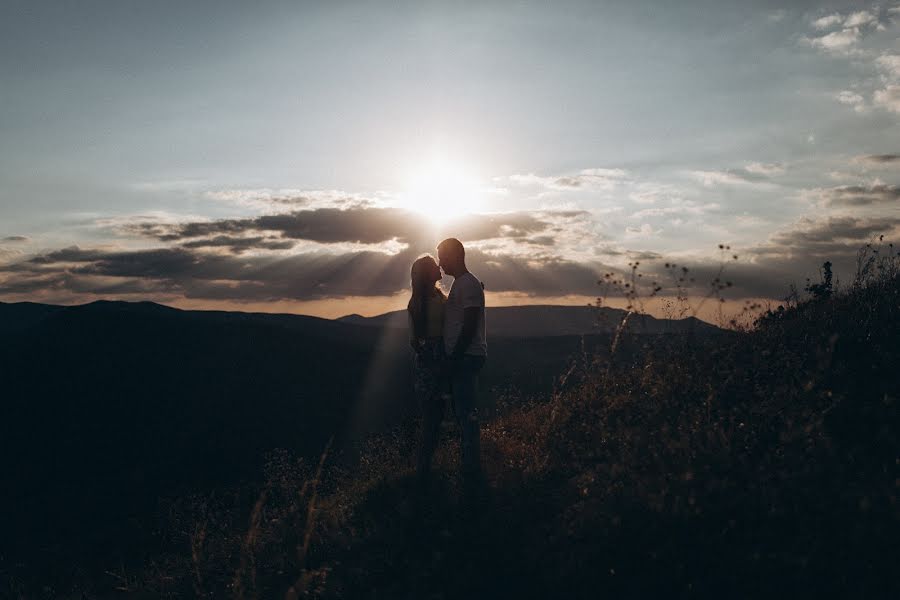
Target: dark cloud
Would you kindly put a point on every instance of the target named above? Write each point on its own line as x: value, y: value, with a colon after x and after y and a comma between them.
x: 238, y: 245
x: 69, y: 254
x: 644, y: 255
x: 14, y: 238
x: 192, y: 269
x: 483, y: 227
x: 860, y: 195
x: 191, y: 273
x: 879, y: 159
x: 568, y: 182
x: 362, y: 225
x: 325, y: 225
x: 787, y: 258
x: 541, y: 240
x: 792, y: 255
x: 809, y: 235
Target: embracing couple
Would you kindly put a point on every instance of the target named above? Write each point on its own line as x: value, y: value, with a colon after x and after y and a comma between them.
x: 448, y: 336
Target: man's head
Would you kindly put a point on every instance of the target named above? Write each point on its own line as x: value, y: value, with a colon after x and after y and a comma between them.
x: 452, y: 257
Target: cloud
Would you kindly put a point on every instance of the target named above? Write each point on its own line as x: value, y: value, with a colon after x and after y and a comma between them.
x: 358, y: 225
x: 679, y: 207
x: 836, y: 41
x: 820, y: 236
x: 187, y: 273
x: 643, y: 255
x: 541, y: 240
x: 889, y: 65
x: 888, y: 98
x: 828, y: 22
x: 754, y: 172
x: 289, y: 198
x: 860, y: 19
x: 14, y: 239
x: 598, y: 178
x: 857, y: 195
x: 848, y: 31
x: 878, y: 159
x: 323, y: 225
x: 245, y: 259
x: 852, y: 99
x: 238, y: 245
x: 799, y: 250
x: 765, y: 169
x: 644, y: 231
x: 794, y: 253
x: 711, y: 178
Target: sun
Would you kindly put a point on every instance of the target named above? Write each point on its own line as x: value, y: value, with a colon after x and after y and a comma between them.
x: 442, y: 191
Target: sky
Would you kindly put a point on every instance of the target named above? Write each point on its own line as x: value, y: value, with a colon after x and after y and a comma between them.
x: 297, y: 157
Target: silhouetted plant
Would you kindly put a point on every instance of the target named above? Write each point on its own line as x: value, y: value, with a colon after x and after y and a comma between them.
x: 823, y: 289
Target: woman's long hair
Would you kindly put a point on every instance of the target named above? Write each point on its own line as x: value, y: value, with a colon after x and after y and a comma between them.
x: 423, y: 288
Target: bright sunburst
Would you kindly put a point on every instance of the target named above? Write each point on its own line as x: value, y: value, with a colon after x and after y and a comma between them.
x: 442, y: 191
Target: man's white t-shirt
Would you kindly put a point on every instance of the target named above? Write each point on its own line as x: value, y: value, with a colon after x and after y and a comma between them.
x: 466, y: 292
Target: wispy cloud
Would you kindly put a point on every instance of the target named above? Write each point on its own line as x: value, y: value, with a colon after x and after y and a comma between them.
x: 842, y: 34
x: 765, y: 169
x: 878, y: 160
x: 711, y: 178
x: 286, y: 199
x: 644, y: 231
x: 856, y: 195
x: 597, y: 178
x: 837, y: 41
x: 831, y: 236
x: 888, y: 98
x: 827, y: 22
x: 853, y: 99
x: 755, y: 172
x: 839, y: 33
x: 681, y: 207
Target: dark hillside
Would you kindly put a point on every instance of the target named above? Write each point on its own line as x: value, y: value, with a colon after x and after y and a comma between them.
x: 762, y: 463
x: 112, y: 403
x: 18, y: 316
x: 108, y: 406
x: 757, y: 465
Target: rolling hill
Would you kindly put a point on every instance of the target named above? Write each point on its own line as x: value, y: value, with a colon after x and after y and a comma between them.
x: 107, y: 406
x: 549, y: 321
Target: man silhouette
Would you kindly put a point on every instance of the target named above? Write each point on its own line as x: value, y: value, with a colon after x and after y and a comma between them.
x: 466, y: 347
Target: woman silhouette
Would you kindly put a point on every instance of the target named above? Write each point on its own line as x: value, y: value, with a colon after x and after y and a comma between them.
x: 426, y: 323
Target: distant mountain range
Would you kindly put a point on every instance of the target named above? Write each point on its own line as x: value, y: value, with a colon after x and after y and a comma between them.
x: 503, y: 321
x: 549, y: 320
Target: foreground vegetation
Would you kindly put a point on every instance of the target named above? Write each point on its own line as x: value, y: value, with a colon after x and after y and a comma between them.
x: 759, y: 463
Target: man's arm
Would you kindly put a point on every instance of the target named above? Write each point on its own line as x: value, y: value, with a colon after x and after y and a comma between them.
x: 469, y: 327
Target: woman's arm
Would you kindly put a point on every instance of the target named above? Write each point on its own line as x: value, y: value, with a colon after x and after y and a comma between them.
x: 413, y: 341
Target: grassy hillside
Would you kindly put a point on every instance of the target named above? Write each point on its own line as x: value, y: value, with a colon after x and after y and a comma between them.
x: 109, y: 406
x: 758, y: 464
x: 763, y: 463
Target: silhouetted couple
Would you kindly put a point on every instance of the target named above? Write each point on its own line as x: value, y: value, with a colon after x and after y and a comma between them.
x: 448, y: 336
